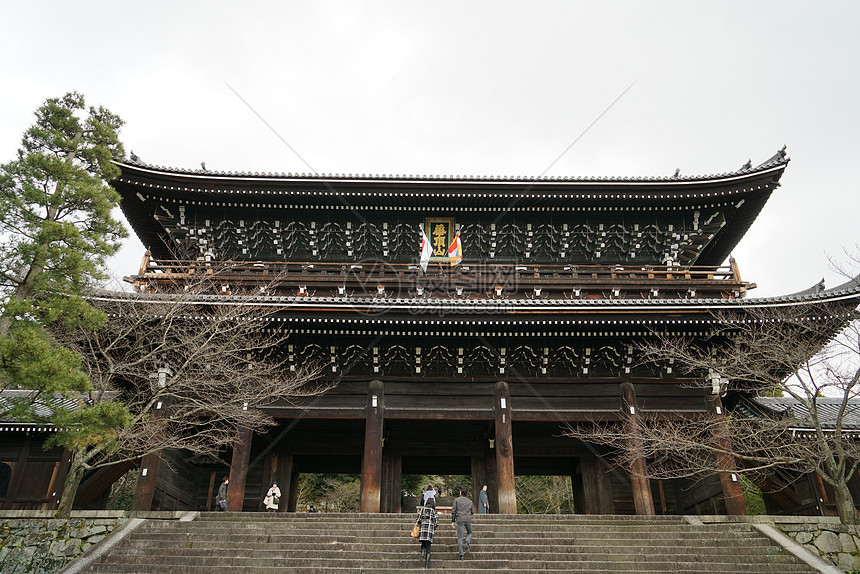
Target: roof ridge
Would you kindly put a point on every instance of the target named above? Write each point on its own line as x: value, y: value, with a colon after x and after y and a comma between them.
x: 780, y: 158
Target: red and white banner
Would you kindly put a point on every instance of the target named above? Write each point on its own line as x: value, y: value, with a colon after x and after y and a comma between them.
x: 455, y: 251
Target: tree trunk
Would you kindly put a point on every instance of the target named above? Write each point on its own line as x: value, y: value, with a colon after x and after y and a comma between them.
x: 70, y: 486
x: 845, y: 504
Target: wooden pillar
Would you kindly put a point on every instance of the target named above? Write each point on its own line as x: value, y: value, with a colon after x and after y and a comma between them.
x: 58, y: 479
x: 147, y: 476
x: 392, y: 466
x: 643, y: 500
x: 144, y: 491
x: 210, y: 494
x: 577, y: 477
x: 506, y: 489
x: 371, y: 462
x: 726, y: 464
x: 239, y: 471
x: 596, y: 486
x: 293, y: 497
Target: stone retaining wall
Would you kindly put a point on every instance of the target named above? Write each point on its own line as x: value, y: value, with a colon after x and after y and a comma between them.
x: 43, y: 546
x: 834, y: 542
x: 34, y: 542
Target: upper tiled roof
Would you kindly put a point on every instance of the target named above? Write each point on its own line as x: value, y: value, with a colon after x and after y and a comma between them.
x: 780, y: 159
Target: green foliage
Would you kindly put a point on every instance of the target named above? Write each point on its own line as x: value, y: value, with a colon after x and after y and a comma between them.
x: 98, y: 424
x: 55, y: 213
x: 544, y: 495
x: 752, y: 497
x: 31, y: 360
x: 56, y: 231
x: 330, y: 492
x: 122, y: 492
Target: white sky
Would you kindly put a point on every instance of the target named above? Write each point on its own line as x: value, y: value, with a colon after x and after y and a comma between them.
x: 473, y: 88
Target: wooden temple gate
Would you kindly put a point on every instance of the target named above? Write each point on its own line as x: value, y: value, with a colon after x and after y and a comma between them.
x: 471, y: 369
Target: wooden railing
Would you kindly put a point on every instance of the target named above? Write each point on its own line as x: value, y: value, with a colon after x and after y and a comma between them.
x: 300, y: 277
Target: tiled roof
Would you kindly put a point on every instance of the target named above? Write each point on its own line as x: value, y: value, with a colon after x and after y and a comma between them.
x: 777, y: 160
x: 828, y: 410
x: 43, y: 406
x: 847, y: 292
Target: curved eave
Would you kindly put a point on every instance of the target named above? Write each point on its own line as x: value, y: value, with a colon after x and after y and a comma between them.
x: 531, y: 317
x: 484, y: 191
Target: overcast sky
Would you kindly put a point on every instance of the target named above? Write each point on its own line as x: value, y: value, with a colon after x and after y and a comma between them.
x: 473, y: 88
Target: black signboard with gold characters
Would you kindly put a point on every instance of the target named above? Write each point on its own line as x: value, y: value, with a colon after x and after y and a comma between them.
x: 440, y: 231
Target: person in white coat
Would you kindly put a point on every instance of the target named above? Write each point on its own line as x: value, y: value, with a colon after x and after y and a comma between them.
x: 273, y: 498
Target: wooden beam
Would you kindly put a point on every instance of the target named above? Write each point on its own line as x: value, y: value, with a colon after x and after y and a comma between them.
x: 506, y: 487
x: 101, y: 481
x: 371, y: 463
x: 643, y: 500
x: 239, y: 471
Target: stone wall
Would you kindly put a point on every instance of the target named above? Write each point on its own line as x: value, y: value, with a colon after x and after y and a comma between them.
x: 31, y: 544
x: 34, y: 542
x: 834, y: 542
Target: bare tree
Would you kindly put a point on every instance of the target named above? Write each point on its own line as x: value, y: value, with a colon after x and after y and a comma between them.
x: 180, y: 370
x: 810, y: 353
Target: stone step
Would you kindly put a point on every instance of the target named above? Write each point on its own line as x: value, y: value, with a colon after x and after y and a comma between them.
x: 401, y: 536
x: 211, y: 526
x: 477, y: 550
x: 380, y: 543
x: 463, y: 567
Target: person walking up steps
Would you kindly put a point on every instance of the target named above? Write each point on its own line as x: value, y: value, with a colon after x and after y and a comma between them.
x: 428, y: 521
x: 461, y: 513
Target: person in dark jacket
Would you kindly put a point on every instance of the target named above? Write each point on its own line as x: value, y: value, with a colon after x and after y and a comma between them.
x: 461, y: 513
x: 428, y: 520
x: 221, y: 499
x: 483, y: 502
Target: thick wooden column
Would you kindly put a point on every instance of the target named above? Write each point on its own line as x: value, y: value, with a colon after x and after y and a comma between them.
x: 596, y: 486
x: 293, y: 498
x: 392, y: 467
x: 371, y: 462
x: 145, y: 489
x: 239, y: 471
x: 506, y: 488
x: 146, y: 479
x: 731, y: 486
x: 643, y: 500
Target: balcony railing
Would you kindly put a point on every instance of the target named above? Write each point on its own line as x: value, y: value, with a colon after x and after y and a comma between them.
x: 376, y: 278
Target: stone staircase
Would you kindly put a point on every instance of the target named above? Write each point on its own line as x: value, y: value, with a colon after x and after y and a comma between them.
x: 380, y: 543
